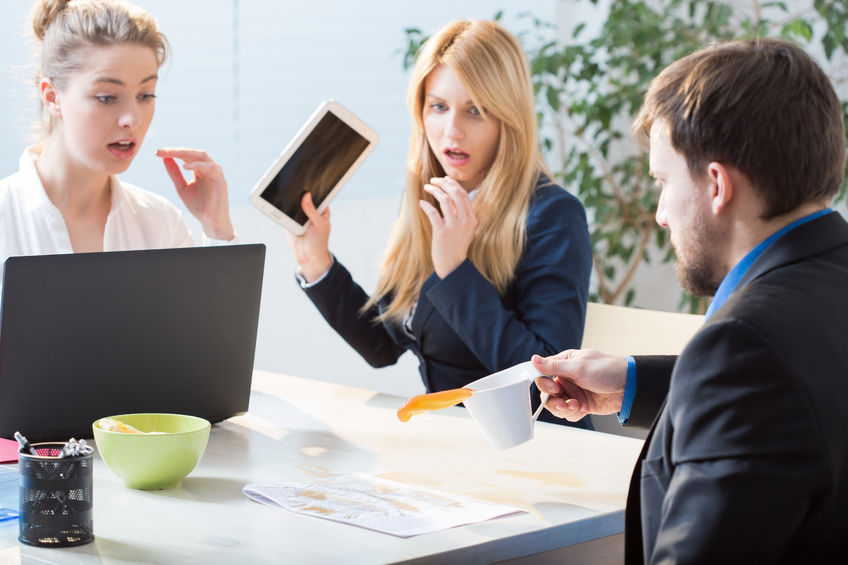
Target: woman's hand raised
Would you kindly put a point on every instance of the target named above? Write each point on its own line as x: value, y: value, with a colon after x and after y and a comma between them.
x: 205, y: 195
x: 453, y: 228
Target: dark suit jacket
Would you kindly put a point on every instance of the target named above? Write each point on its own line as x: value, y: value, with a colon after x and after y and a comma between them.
x: 747, y: 461
x: 462, y: 329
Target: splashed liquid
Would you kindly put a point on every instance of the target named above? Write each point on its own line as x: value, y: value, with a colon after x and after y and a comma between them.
x: 432, y: 401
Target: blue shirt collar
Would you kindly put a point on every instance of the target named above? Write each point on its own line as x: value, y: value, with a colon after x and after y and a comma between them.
x: 731, y: 280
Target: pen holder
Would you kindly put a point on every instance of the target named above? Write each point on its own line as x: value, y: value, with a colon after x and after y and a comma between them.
x: 55, y: 497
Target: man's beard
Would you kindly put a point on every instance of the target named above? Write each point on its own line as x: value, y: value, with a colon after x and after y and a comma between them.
x: 698, y: 268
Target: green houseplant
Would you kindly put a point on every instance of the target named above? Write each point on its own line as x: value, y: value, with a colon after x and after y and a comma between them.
x: 590, y: 88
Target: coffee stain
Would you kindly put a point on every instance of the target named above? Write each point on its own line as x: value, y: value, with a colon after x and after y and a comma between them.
x: 418, y: 479
x: 553, y: 478
x: 315, y: 471
x: 489, y: 492
x: 507, y: 497
x: 313, y: 451
x: 318, y: 510
x: 313, y: 494
x: 486, y: 487
x: 403, y: 506
x: 349, y: 503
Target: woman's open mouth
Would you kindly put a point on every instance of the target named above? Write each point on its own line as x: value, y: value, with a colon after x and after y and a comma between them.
x: 456, y: 157
x: 122, y: 148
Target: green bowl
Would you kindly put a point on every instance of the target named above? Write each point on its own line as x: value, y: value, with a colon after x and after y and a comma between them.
x: 153, y: 461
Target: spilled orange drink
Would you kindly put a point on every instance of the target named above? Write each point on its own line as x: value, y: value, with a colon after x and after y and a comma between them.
x: 432, y: 401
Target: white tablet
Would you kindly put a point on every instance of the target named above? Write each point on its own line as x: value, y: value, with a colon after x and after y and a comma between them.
x: 322, y: 156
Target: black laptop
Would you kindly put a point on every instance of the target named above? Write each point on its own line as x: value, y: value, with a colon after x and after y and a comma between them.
x: 89, y: 335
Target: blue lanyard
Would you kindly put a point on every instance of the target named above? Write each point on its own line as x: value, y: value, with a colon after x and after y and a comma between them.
x: 731, y: 280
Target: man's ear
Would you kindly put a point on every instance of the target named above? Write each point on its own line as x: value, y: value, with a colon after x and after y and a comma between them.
x: 721, y: 186
x: 50, y: 98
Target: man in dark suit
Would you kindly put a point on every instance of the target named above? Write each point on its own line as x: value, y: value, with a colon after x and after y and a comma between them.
x: 747, y: 457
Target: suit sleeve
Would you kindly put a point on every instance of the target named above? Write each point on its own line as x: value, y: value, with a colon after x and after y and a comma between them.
x: 551, y: 290
x: 732, y: 384
x: 653, y: 374
x: 339, y: 299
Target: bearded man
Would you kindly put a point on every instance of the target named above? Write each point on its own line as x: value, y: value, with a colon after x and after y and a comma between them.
x: 747, y: 457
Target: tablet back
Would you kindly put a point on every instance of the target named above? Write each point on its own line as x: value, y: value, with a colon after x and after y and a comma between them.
x: 89, y: 335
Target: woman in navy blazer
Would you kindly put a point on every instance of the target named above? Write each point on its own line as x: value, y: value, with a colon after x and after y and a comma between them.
x: 489, y: 261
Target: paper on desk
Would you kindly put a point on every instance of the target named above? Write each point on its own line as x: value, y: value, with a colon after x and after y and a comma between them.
x: 8, y: 451
x: 8, y: 494
x: 378, y: 504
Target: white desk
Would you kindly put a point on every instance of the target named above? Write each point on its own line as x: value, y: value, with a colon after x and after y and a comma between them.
x: 572, y: 483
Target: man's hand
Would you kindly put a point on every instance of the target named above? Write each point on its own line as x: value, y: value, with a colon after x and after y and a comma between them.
x: 584, y: 382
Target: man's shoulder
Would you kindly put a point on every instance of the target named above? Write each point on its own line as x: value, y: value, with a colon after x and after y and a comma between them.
x: 806, y: 288
x: 796, y: 283
x: 791, y: 317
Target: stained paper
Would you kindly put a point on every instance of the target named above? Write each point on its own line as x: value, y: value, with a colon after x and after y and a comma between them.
x: 378, y: 504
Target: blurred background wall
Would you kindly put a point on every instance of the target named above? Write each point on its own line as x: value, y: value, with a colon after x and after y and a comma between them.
x: 243, y: 77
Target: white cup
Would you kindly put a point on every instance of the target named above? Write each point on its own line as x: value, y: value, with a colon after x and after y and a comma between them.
x: 501, y: 405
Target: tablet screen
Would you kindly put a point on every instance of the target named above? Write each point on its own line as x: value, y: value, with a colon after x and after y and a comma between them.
x: 316, y: 166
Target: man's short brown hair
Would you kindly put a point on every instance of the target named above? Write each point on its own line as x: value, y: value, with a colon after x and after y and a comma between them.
x: 761, y: 105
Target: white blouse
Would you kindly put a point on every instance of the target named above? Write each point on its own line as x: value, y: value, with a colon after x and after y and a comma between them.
x: 32, y: 225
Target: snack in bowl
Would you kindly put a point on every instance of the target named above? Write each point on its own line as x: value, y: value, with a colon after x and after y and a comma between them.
x: 143, y: 459
x: 112, y: 425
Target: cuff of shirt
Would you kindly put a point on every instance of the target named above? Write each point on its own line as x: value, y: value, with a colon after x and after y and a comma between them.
x: 212, y: 242
x: 303, y: 284
x: 629, y: 392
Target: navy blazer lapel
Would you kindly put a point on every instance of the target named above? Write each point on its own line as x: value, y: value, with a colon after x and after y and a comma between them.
x: 424, y: 309
x: 808, y: 240
x: 396, y: 330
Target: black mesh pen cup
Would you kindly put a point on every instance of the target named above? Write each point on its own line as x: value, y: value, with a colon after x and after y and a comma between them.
x: 55, y: 495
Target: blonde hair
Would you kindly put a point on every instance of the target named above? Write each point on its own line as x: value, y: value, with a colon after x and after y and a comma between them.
x: 66, y: 28
x: 492, y: 66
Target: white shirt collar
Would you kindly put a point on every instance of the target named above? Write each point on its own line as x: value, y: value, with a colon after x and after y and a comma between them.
x: 36, y: 197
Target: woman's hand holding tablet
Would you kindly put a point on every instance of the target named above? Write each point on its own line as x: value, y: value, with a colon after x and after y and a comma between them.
x: 311, y: 250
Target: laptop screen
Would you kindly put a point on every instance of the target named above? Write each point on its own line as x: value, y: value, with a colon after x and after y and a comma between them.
x: 89, y: 335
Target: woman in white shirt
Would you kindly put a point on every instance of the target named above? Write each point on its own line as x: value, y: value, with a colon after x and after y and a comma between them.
x: 99, y: 61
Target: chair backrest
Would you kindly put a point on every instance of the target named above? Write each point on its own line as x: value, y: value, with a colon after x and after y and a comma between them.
x: 633, y: 331
x: 619, y: 330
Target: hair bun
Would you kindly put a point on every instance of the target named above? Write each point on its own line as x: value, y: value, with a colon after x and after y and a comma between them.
x: 45, y: 13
